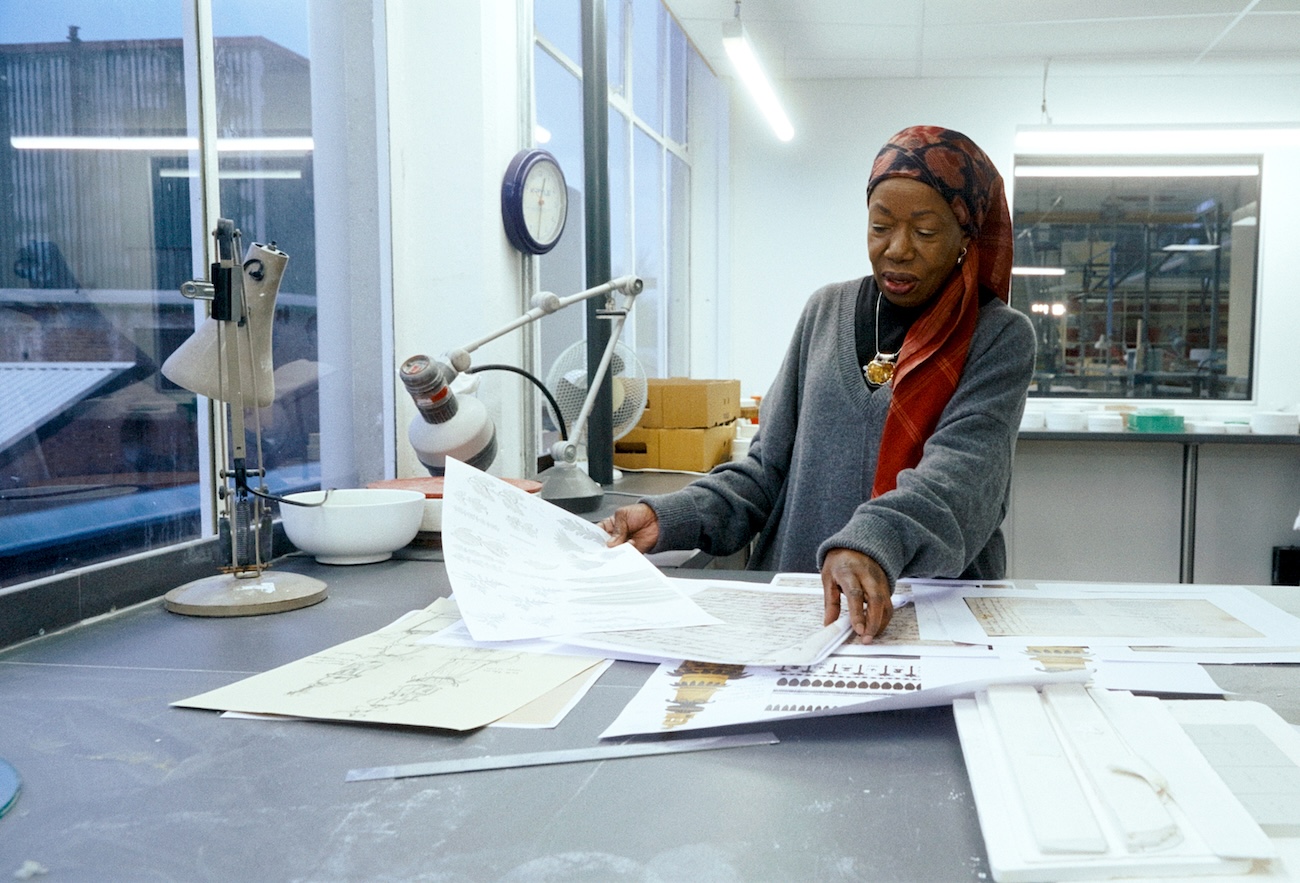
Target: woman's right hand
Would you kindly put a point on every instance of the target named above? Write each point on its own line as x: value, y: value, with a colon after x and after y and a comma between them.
x: 636, y: 524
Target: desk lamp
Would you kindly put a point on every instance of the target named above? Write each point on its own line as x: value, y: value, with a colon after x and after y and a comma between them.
x: 228, y: 359
x: 459, y: 427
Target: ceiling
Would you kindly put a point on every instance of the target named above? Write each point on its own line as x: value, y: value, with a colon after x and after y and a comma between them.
x: 829, y: 39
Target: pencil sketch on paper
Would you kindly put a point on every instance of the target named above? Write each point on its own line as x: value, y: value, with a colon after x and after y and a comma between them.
x: 1106, y: 617
x: 392, y: 676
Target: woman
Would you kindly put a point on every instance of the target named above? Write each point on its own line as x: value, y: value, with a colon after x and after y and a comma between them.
x: 886, y: 440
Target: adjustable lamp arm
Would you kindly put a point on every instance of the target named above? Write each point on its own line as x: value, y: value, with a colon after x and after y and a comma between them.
x: 544, y: 304
x: 444, y: 428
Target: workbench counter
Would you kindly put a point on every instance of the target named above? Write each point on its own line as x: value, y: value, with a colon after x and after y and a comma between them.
x: 120, y: 786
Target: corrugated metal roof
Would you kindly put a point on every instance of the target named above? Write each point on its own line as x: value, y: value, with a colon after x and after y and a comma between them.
x: 33, y: 392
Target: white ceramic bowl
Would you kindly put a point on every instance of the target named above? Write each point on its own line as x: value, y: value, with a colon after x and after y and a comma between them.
x: 355, y: 525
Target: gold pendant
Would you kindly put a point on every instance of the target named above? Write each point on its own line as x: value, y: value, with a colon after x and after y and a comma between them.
x: 880, y: 370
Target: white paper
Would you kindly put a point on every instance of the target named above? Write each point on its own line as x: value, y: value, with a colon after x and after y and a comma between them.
x: 685, y: 695
x: 1185, y: 678
x: 1214, y: 835
x: 1218, y: 616
x: 757, y: 625
x: 524, y: 568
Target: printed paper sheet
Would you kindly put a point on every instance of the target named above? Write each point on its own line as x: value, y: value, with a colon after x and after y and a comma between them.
x: 685, y: 695
x: 521, y: 567
x: 1226, y: 617
x: 757, y: 625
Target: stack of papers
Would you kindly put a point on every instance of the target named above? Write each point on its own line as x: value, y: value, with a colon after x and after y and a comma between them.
x: 1085, y: 784
x: 540, y: 599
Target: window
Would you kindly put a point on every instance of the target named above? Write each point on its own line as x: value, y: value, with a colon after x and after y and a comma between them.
x: 649, y: 170
x: 101, y: 220
x: 1139, y: 273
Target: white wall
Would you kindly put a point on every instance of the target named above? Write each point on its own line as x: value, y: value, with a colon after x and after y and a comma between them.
x: 798, y: 213
x: 454, y: 123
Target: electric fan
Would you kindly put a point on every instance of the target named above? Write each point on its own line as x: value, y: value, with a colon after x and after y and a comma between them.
x: 567, y: 381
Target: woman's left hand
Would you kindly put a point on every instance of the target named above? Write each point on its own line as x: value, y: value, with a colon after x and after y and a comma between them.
x: 865, y: 588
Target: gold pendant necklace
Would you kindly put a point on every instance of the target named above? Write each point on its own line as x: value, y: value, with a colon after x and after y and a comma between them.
x: 880, y: 370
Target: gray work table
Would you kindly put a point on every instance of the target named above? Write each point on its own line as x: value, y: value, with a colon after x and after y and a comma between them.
x: 120, y: 786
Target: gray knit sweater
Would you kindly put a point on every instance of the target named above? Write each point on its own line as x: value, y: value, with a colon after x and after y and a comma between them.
x: 805, y: 487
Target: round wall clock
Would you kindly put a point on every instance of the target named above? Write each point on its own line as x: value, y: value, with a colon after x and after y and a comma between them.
x: 534, y: 201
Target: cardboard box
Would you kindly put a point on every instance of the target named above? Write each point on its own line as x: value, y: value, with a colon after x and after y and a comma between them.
x: 686, y: 403
x: 638, y: 449
x: 691, y: 450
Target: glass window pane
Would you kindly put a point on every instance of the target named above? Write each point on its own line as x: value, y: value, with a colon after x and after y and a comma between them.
x: 677, y: 79
x: 651, y: 306
x: 98, y: 451
x: 1152, y: 285
x: 563, y: 269
x: 649, y: 25
x: 678, y: 275
x: 560, y: 22
x: 616, y: 21
x: 620, y: 200
x: 264, y: 99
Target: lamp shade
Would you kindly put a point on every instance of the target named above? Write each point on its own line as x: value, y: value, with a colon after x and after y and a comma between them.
x: 199, y: 364
x: 447, y: 425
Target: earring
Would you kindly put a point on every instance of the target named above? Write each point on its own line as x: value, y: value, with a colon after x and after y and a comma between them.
x: 961, y: 257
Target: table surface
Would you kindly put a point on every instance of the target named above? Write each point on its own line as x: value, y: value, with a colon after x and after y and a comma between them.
x: 118, y: 785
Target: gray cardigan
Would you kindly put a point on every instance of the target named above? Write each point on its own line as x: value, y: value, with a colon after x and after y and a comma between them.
x: 805, y: 487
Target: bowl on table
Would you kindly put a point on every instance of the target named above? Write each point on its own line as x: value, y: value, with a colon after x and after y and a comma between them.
x: 354, y: 525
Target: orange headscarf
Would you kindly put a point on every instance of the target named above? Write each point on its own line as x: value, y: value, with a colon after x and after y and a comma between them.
x: 933, y: 354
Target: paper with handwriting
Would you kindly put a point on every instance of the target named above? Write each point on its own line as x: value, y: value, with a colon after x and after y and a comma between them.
x: 521, y: 568
x: 392, y: 677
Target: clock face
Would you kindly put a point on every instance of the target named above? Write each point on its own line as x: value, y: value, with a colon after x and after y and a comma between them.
x: 534, y: 201
x: 545, y: 202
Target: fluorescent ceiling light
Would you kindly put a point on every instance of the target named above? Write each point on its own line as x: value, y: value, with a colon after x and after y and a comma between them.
x: 154, y: 144
x: 1190, y: 246
x: 1233, y: 170
x: 1038, y: 271
x: 1064, y: 140
x: 281, y: 174
x: 541, y: 134
x: 741, y: 52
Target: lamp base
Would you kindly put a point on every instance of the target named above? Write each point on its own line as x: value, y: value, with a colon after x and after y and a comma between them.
x: 226, y: 595
x: 568, y: 487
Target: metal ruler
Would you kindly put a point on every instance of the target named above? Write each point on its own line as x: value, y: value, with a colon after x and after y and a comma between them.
x: 571, y: 755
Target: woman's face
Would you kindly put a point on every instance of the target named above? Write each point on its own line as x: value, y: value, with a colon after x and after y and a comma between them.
x: 913, y: 240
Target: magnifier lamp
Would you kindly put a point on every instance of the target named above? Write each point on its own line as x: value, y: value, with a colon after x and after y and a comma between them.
x: 454, y: 426
x: 228, y: 359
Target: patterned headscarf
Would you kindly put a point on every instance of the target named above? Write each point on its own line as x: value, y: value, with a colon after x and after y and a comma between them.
x: 933, y: 354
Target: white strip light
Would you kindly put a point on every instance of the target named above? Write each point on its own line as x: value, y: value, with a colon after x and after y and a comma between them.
x: 741, y: 52
x: 1038, y: 271
x: 1191, y: 246
x: 178, y: 143
x: 1069, y: 141
x: 1222, y: 170
x: 240, y: 174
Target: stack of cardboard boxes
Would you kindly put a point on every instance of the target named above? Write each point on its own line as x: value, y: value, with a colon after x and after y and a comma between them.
x: 687, y: 425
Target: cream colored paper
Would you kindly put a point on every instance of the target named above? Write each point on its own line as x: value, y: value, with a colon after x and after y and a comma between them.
x: 390, y: 677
